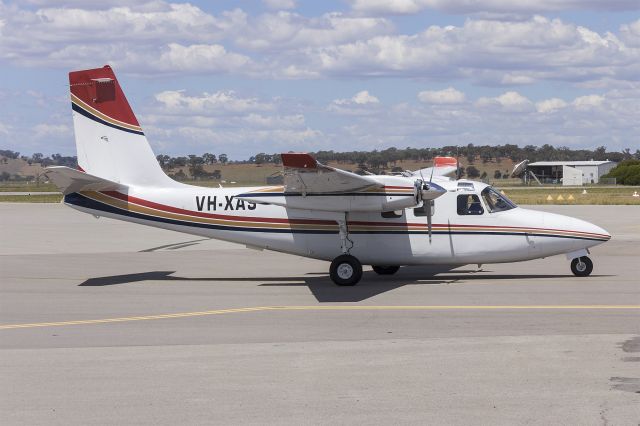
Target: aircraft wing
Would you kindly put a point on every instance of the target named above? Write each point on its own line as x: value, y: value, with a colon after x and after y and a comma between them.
x: 309, y: 185
x: 442, y: 166
x: 70, y: 180
x: 303, y: 174
x: 437, y: 171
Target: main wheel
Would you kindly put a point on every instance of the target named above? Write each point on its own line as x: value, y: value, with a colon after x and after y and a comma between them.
x: 581, y: 266
x: 385, y: 270
x: 345, y: 270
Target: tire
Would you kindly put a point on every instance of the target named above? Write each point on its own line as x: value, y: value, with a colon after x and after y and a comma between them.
x: 581, y: 266
x: 385, y: 270
x: 345, y: 270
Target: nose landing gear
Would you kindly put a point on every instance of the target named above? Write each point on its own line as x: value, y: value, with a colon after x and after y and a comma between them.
x: 581, y: 266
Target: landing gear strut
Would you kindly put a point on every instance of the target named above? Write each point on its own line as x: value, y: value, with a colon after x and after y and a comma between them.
x: 345, y: 270
x: 385, y: 270
x: 581, y: 266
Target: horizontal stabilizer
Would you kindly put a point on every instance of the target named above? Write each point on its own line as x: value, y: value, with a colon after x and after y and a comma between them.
x: 70, y: 180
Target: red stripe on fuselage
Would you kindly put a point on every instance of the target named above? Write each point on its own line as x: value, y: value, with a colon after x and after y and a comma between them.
x: 171, y: 209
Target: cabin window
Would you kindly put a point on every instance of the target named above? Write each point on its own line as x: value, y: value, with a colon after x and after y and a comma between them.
x: 423, y: 209
x: 495, y: 201
x: 469, y: 204
x: 466, y: 186
x: 394, y: 214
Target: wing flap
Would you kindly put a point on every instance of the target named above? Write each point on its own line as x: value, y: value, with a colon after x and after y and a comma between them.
x: 69, y: 180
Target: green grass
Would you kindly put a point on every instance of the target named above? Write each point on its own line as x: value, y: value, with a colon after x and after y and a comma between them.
x: 27, y: 187
x: 53, y: 198
x: 595, y: 195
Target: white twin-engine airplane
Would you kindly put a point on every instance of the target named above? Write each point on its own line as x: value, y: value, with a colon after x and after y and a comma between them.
x: 419, y: 218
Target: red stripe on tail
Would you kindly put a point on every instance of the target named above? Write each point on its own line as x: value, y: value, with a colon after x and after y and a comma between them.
x: 100, y: 89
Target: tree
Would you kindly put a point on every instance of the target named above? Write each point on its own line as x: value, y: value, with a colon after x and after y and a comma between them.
x: 9, y: 154
x: 195, y: 166
x: 37, y: 157
x: 223, y: 158
x: 209, y: 158
x: 626, y: 173
x: 497, y: 174
x: 472, y: 172
x: 600, y: 153
x: 261, y: 158
x: 163, y: 160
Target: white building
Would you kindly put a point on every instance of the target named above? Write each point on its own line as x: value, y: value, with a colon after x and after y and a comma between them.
x: 570, y: 172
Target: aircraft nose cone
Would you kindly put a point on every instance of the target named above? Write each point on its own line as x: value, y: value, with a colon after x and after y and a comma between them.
x: 589, y: 230
x: 595, y: 229
x: 577, y: 228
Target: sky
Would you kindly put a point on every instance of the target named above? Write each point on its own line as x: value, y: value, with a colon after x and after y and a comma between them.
x: 250, y: 76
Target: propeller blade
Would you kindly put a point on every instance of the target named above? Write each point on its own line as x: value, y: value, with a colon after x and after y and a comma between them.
x: 428, y: 206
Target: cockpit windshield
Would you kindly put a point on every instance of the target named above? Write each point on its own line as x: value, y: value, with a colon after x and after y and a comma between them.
x: 495, y: 201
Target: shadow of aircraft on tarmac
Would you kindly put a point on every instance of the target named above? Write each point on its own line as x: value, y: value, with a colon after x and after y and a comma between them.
x: 323, y: 288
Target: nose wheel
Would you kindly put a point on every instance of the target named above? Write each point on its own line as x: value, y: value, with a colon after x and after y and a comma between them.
x: 581, y: 266
x: 345, y: 270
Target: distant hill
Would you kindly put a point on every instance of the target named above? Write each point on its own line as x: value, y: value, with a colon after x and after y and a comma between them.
x: 476, y: 162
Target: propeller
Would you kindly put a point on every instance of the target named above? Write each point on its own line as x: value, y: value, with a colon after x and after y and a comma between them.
x: 424, y: 194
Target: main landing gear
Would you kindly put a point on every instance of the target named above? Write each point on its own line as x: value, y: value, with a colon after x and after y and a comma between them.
x: 581, y: 266
x: 345, y: 270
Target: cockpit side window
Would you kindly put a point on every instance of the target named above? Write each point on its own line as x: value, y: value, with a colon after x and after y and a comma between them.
x: 469, y: 204
x: 495, y: 201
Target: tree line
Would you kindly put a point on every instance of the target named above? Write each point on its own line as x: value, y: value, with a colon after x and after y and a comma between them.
x: 375, y: 161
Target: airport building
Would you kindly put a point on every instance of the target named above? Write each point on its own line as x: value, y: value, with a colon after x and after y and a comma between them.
x: 570, y: 172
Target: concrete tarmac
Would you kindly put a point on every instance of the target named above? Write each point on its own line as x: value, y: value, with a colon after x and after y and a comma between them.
x: 124, y: 324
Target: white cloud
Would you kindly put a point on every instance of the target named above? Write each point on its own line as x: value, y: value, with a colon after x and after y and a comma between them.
x: 280, y: 4
x: 550, y: 105
x: 465, y: 6
x: 511, y: 101
x: 287, y: 30
x: 364, y: 97
x: 181, y: 35
x: 45, y: 130
x: 588, y: 102
x: 446, y: 96
x: 487, y: 52
x: 274, y: 121
x: 160, y: 37
x: 361, y: 98
x: 630, y: 33
x: 4, y: 128
x: 176, y: 101
x: 200, y: 58
x: 362, y: 103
